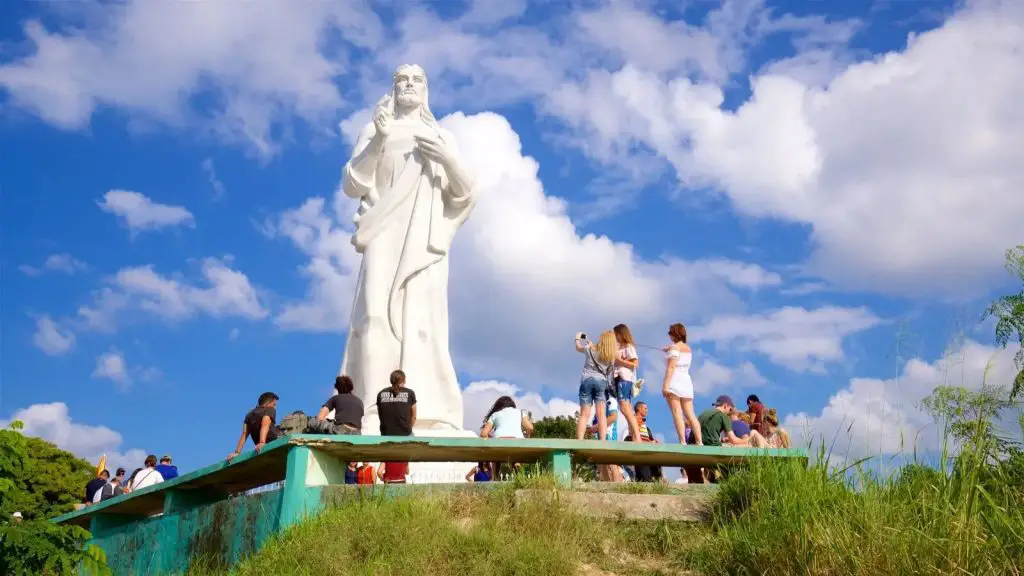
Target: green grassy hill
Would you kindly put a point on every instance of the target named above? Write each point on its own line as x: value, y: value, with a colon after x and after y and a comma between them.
x: 773, y: 518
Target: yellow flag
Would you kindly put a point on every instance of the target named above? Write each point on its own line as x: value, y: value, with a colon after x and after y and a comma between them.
x: 101, y: 465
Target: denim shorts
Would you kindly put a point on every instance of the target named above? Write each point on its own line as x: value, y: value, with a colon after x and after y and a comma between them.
x: 625, y: 389
x: 592, y: 391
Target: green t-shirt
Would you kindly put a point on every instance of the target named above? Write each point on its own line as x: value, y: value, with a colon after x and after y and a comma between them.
x: 712, y: 424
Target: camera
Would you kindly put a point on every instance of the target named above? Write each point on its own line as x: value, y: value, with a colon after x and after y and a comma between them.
x: 581, y: 336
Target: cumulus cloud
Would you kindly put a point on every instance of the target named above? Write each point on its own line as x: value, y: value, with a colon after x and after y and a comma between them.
x: 64, y: 263
x: 53, y: 423
x: 478, y: 397
x: 901, y: 166
x: 884, y: 145
x: 265, y: 63
x: 797, y: 338
x: 872, y: 417
x: 223, y: 292
x: 712, y: 377
x: 52, y: 338
x: 140, y: 213
x: 112, y: 366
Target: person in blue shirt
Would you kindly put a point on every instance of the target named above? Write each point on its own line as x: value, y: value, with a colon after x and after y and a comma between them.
x: 740, y: 428
x: 166, y: 469
x: 480, y: 473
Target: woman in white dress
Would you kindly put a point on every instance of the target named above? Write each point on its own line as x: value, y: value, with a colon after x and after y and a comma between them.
x: 678, y: 387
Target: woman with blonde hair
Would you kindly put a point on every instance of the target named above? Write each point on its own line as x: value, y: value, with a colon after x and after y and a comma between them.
x: 678, y: 387
x: 625, y: 377
x: 598, y: 360
x: 776, y: 437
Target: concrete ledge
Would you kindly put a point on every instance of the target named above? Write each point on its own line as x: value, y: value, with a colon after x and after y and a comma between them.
x: 683, y: 506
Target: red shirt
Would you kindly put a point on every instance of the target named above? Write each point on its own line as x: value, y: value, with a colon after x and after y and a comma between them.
x: 395, y: 471
x: 756, y: 409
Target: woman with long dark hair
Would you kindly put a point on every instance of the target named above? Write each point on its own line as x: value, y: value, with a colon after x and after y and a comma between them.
x: 505, y: 420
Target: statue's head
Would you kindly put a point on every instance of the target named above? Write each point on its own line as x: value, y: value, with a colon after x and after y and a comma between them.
x: 409, y: 86
x: 409, y: 90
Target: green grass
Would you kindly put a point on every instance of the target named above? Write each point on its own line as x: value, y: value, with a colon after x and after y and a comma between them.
x: 780, y: 518
x: 479, y: 533
x: 776, y: 517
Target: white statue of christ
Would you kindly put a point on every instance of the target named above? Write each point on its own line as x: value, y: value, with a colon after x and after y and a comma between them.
x: 414, y: 195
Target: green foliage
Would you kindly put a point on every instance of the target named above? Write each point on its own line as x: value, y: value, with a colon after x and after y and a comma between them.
x: 969, y: 416
x: 38, y: 547
x: 964, y: 516
x: 555, y: 427
x: 1009, y: 314
x: 41, y: 481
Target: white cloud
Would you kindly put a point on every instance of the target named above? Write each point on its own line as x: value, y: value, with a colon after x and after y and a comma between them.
x: 140, y: 213
x: 52, y: 422
x: 211, y: 176
x: 478, y: 397
x: 227, y: 292
x: 52, y: 338
x: 112, y: 366
x: 797, y: 338
x: 902, y: 186
x: 712, y: 377
x: 265, y: 64
x: 65, y: 263
x: 872, y: 417
x: 518, y: 294
x: 904, y: 166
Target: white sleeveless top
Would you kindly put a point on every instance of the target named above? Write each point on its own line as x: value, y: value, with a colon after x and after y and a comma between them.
x: 681, y: 385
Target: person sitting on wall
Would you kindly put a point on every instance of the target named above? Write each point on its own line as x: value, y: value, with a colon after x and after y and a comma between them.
x: 396, y: 407
x: 166, y: 469
x: 94, y: 486
x: 258, y: 424
x: 347, y: 407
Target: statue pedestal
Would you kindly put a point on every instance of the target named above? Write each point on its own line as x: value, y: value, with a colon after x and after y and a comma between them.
x: 440, y: 472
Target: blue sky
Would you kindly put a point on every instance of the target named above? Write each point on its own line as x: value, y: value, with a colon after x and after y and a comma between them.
x: 824, y: 199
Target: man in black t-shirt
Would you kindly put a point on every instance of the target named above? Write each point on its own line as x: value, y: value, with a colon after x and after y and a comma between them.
x: 258, y: 424
x: 95, y: 484
x: 396, y: 407
x: 348, y: 410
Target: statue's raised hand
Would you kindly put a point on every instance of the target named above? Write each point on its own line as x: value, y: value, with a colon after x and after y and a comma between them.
x: 382, y: 123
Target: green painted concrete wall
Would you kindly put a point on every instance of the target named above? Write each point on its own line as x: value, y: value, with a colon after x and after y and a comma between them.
x: 221, y: 533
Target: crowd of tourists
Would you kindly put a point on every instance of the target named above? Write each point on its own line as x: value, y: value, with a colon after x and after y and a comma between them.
x: 104, y: 486
x: 608, y: 388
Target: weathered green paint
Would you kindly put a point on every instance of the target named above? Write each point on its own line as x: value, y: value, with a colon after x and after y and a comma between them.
x: 163, y: 528
x: 295, y: 505
x: 561, y: 464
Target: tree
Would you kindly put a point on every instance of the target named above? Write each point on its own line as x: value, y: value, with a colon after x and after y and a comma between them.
x: 42, y: 481
x: 555, y: 427
x: 39, y: 479
x: 1009, y: 314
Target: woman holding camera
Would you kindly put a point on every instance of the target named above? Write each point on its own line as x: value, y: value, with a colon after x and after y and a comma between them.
x: 598, y: 360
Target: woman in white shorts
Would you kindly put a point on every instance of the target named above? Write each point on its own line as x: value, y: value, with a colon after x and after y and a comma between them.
x: 678, y: 387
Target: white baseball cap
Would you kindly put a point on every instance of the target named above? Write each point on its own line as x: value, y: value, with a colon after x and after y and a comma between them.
x: 16, y: 515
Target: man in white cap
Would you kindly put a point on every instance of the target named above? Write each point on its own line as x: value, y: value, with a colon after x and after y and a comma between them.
x: 16, y: 518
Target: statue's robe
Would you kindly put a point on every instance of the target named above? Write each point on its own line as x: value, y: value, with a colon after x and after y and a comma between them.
x: 410, y: 214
